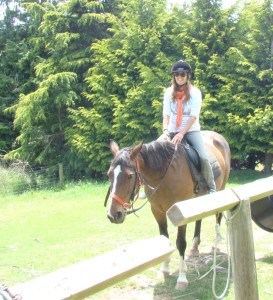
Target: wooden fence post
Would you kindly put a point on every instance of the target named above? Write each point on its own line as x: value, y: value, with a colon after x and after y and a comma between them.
x: 242, y: 252
x: 61, y: 173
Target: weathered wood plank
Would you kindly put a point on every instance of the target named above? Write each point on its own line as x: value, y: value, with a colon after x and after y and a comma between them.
x: 85, y: 278
x: 255, y: 190
x: 242, y: 253
x: 198, y: 208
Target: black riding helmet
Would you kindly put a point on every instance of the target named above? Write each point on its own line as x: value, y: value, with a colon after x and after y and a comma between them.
x: 181, y: 66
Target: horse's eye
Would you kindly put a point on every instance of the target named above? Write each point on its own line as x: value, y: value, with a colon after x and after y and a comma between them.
x: 130, y: 176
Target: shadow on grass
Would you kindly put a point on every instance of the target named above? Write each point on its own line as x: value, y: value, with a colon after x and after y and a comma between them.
x: 200, y: 277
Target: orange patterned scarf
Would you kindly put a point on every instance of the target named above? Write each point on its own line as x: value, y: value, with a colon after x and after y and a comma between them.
x: 180, y: 97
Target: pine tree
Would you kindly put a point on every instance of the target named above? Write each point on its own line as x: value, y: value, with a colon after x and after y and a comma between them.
x: 246, y: 90
x: 207, y: 35
x: 257, y: 123
x: 65, y: 34
x: 13, y: 76
x: 130, y: 71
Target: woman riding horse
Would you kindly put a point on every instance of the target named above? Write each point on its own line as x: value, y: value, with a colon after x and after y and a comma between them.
x: 162, y: 166
x: 181, y: 108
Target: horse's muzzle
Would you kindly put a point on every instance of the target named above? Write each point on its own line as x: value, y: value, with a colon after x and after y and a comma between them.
x: 117, y: 218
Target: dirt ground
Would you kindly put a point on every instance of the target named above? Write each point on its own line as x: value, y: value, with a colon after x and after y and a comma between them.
x: 143, y: 287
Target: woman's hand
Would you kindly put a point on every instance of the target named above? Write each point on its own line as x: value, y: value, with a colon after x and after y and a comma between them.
x: 164, y: 137
x: 177, y: 139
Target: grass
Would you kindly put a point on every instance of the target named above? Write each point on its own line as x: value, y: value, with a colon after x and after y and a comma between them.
x: 19, y: 178
x: 244, y: 176
x: 42, y: 231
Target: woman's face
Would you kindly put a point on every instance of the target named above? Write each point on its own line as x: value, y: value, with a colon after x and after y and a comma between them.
x: 181, y: 77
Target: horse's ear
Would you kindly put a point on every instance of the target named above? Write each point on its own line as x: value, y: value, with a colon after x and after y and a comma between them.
x: 136, y: 150
x: 114, y: 147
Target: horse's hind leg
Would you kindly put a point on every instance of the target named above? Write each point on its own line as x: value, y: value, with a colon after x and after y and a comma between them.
x: 218, y: 235
x: 196, y: 239
x: 219, y: 218
x: 218, y: 223
x: 181, y: 244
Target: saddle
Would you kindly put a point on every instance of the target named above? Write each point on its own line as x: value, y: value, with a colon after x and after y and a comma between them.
x: 194, y: 162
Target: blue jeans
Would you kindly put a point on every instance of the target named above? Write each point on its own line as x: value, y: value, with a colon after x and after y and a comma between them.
x: 195, y: 138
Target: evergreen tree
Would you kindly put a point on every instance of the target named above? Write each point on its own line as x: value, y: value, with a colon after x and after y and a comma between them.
x: 18, y: 57
x: 64, y: 37
x: 12, y: 76
x: 261, y: 121
x: 76, y: 74
x: 131, y: 70
x: 246, y: 91
x: 207, y: 34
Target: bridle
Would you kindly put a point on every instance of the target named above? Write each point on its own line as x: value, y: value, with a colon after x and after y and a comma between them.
x: 134, y: 195
x: 139, y: 181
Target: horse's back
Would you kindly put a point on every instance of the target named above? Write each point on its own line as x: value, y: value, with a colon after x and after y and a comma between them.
x: 218, y: 141
x: 220, y: 147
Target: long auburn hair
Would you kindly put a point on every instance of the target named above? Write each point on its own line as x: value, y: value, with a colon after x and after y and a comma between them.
x: 177, y: 88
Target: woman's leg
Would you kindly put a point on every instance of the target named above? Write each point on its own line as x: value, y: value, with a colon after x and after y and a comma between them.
x: 195, y: 138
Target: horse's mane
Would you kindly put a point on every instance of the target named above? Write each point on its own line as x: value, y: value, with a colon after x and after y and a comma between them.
x: 157, y: 154
x: 123, y: 158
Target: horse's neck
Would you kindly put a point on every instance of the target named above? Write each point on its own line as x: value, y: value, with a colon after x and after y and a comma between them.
x: 149, y: 175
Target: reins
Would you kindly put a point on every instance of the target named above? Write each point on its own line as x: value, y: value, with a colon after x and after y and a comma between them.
x: 107, y: 196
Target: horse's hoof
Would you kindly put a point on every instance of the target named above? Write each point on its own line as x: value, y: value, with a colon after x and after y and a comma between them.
x: 166, y: 274
x: 193, y: 253
x: 188, y: 258
x: 213, y: 249
x: 181, y: 285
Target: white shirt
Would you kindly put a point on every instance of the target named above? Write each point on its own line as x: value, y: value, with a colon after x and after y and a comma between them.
x: 191, y: 107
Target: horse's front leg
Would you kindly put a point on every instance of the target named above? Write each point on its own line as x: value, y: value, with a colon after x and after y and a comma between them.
x: 196, y: 239
x: 181, y: 245
x: 161, y: 220
x: 163, y: 230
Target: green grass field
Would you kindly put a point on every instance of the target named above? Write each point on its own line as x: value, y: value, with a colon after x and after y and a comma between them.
x: 42, y: 231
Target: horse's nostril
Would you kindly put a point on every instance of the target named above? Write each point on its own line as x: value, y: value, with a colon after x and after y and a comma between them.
x: 119, y: 215
x: 117, y: 218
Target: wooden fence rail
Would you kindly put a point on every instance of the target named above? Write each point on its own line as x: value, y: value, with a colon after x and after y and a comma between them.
x: 87, y: 277
x: 198, y: 208
x: 240, y: 229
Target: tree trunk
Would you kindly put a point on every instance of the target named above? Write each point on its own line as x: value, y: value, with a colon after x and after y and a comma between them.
x: 61, y: 174
x: 268, y: 163
x: 271, y: 61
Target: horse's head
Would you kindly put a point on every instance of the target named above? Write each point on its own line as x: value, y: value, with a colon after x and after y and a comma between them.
x: 123, y: 176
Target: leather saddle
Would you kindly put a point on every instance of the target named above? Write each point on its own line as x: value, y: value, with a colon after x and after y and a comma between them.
x: 194, y: 162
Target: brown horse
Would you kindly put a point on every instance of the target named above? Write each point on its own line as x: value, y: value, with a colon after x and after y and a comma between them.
x: 163, y: 169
